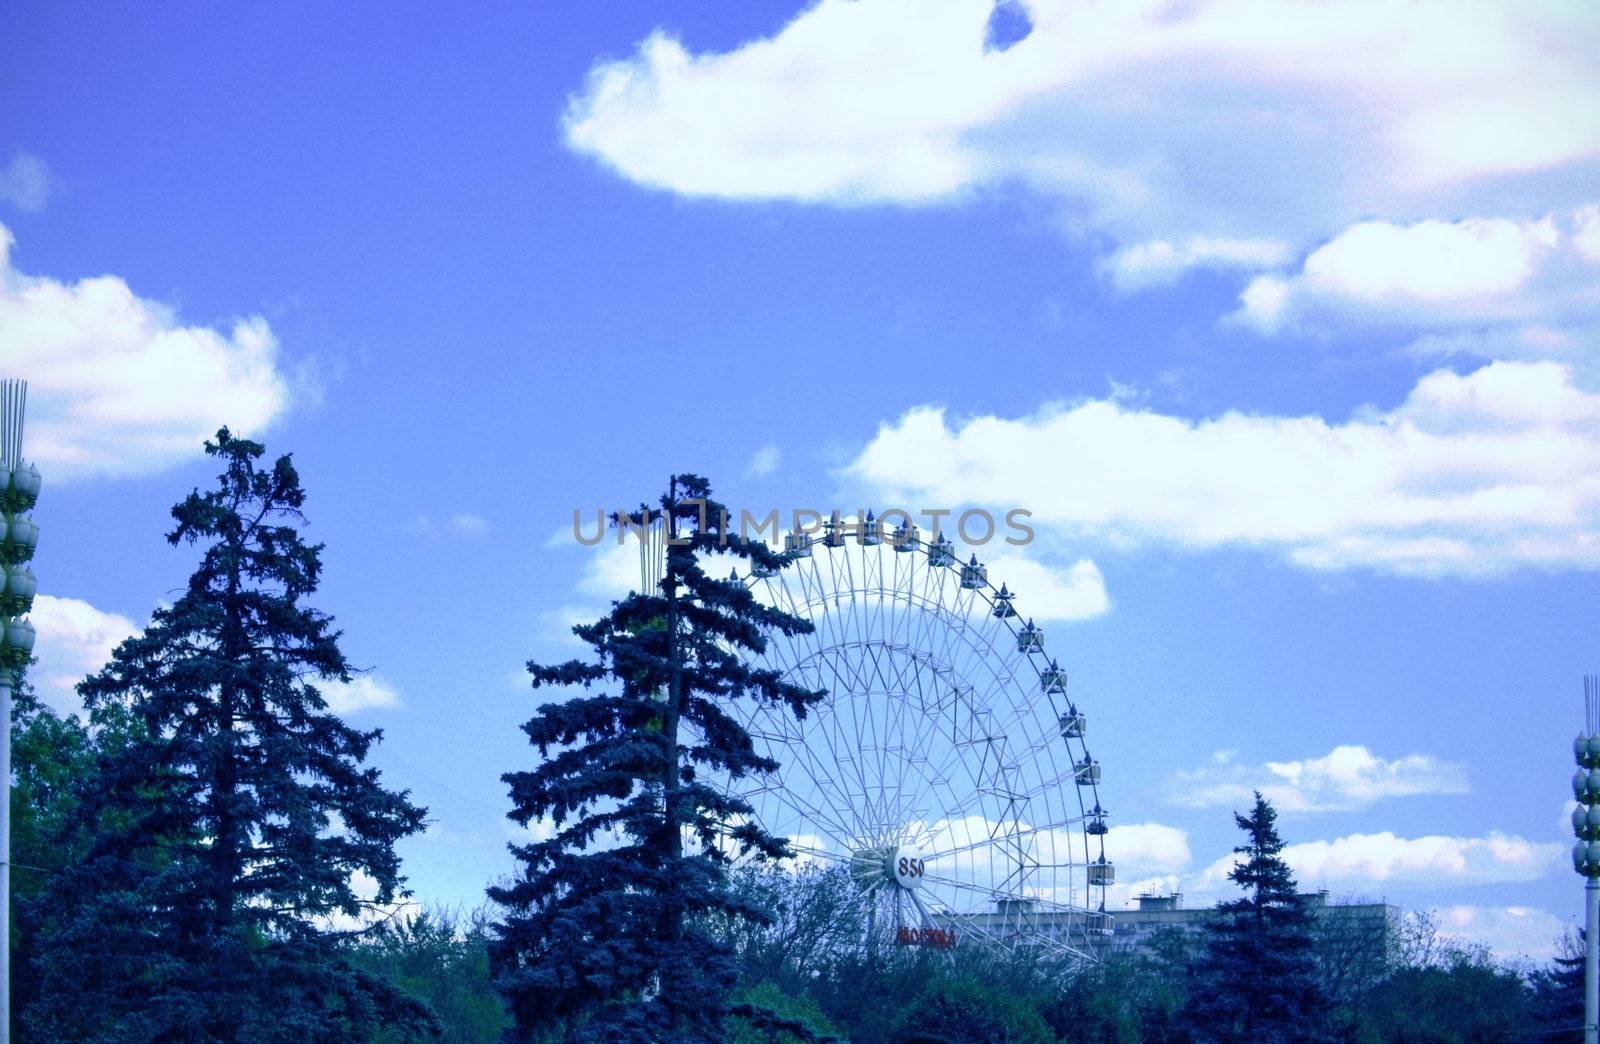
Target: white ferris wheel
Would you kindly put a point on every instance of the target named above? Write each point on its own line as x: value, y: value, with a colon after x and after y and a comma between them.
x: 947, y: 769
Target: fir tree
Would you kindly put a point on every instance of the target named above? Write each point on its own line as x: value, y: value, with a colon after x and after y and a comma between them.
x: 1558, y: 993
x: 605, y: 931
x: 234, y: 813
x: 1257, y: 980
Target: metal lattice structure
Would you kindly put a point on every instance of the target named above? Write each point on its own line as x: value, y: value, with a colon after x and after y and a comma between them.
x: 947, y: 768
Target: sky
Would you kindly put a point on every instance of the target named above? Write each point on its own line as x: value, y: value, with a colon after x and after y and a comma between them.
x: 1282, y: 319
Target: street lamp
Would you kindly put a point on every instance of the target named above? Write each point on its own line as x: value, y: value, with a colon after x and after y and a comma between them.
x: 1586, y: 853
x: 19, y: 489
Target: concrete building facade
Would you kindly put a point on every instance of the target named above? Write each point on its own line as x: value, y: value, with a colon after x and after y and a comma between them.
x: 1346, y: 931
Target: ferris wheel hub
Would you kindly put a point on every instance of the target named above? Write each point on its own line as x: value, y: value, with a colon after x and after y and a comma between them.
x: 898, y: 865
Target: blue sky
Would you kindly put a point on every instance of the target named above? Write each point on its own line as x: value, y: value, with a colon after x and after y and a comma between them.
x: 1284, y: 318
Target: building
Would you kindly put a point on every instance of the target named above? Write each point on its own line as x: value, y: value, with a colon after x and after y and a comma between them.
x: 1344, y: 932
x: 1355, y: 942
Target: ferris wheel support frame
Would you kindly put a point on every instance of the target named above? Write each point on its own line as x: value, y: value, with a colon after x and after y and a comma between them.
x: 882, y: 840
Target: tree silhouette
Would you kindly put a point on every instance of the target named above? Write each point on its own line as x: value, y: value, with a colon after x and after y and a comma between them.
x: 603, y: 935
x: 234, y: 816
x: 1257, y: 980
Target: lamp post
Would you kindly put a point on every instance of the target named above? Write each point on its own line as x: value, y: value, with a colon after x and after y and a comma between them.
x: 1586, y: 853
x: 19, y: 489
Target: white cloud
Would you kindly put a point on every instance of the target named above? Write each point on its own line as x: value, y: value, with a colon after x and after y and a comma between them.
x: 467, y: 526
x: 1148, y: 848
x: 25, y: 183
x: 806, y: 847
x: 74, y: 641
x: 612, y: 569
x: 1431, y: 260
x: 1432, y: 861
x: 1511, y: 932
x: 1124, y: 894
x: 540, y: 830
x: 1044, y: 593
x: 1471, y: 474
x: 1077, y: 592
x: 1157, y: 262
x: 1434, y: 275
x: 117, y: 385
x: 362, y: 692
x: 371, y: 912
x: 1347, y: 777
x: 474, y: 527
x: 1513, y: 340
x: 1230, y: 118
x: 555, y: 626
x: 766, y: 460
x: 1586, y: 231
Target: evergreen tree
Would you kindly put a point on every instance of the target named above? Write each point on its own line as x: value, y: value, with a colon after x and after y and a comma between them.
x: 1257, y: 978
x: 605, y: 932
x: 1558, y: 993
x: 234, y: 812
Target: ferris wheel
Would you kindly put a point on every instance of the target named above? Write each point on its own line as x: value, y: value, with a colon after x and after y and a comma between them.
x: 947, y: 768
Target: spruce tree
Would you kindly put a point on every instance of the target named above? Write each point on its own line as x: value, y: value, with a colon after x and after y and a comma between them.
x: 1257, y: 980
x: 605, y: 933
x: 1558, y: 993
x: 234, y: 813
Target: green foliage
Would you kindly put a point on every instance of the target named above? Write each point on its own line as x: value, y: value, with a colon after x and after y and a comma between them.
x: 441, y: 960
x: 1465, y: 997
x: 794, y: 1007
x: 967, y: 1010
x: 232, y: 813
x: 604, y: 934
x: 814, y: 948
x: 50, y: 755
x: 1124, y: 1000
x: 814, y: 916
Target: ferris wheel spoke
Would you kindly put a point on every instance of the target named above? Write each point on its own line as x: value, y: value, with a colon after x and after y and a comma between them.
x: 841, y: 744
x: 829, y: 818
x: 1003, y: 933
x: 923, y: 913
x: 868, y: 739
x: 821, y: 784
x: 931, y: 857
x: 926, y: 728
x: 821, y: 819
x: 821, y: 853
x: 1001, y: 893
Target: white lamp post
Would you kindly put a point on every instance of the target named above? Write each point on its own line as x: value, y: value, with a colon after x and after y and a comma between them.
x: 1586, y: 853
x: 19, y: 489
